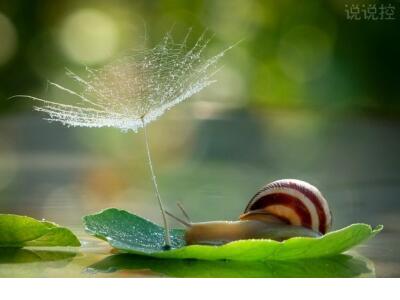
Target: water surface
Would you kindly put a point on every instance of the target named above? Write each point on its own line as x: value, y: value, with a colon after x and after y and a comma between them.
x: 213, y: 166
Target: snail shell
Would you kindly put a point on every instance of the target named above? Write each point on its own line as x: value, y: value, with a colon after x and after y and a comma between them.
x: 293, y: 201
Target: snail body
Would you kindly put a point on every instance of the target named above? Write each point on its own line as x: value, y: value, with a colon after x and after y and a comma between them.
x: 222, y: 232
x: 280, y: 210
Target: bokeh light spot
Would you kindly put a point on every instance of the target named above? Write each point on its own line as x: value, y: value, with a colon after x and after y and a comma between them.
x: 89, y: 36
x: 8, y: 39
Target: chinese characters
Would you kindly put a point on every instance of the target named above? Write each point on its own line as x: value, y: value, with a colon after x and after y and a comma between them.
x: 371, y: 12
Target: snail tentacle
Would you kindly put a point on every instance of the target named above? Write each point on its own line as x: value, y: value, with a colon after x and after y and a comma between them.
x: 185, y: 214
x: 187, y: 224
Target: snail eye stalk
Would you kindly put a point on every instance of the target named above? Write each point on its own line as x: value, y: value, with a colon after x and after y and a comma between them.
x: 187, y: 224
x: 185, y: 214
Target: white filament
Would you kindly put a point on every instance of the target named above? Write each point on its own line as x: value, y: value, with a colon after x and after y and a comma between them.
x: 136, y: 89
x: 158, y: 196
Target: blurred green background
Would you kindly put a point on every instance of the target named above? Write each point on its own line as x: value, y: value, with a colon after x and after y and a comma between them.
x: 306, y: 94
x: 294, y: 54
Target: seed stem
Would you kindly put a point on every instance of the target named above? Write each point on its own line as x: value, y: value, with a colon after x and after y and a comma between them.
x: 167, y: 237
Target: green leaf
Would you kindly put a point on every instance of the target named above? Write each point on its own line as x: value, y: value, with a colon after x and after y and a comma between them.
x: 22, y: 231
x: 133, y: 234
x: 334, y: 266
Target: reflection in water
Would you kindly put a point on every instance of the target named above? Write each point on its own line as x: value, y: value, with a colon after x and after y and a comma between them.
x: 336, y: 266
x: 17, y: 255
x: 16, y: 261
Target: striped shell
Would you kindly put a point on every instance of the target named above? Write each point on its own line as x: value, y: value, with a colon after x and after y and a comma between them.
x: 294, y: 201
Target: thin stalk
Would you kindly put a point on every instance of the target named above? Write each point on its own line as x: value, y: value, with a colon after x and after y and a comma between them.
x: 167, y: 238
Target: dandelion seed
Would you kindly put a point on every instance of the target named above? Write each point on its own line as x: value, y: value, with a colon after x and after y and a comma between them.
x: 135, y: 90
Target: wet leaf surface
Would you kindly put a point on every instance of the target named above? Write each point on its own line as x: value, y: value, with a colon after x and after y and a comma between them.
x: 133, y: 234
x: 22, y: 231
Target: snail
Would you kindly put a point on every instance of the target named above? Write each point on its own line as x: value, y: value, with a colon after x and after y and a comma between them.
x: 280, y: 210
